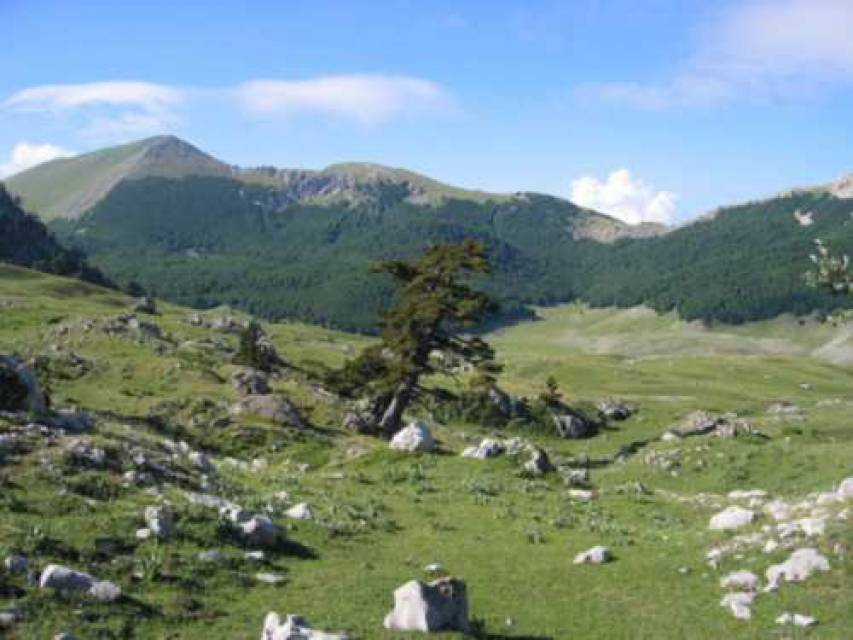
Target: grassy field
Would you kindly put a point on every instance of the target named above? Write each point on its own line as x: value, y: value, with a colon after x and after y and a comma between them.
x: 380, y: 517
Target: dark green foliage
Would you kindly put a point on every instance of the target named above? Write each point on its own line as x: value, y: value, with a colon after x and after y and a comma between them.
x: 250, y: 353
x: 25, y: 241
x: 420, y: 333
x: 13, y: 394
x: 210, y: 241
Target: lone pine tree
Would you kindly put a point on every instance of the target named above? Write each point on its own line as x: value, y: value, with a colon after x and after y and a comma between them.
x: 423, y: 333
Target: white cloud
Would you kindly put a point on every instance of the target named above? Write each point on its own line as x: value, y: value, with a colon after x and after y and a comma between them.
x: 144, y: 95
x: 761, y: 49
x: 109, y: 111
x: 366, y: 99
x: 25, y: 155
x: 624, y: 197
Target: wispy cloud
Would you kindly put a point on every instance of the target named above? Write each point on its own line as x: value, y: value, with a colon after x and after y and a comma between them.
x: 25, y: 155
x: 625, y: 197
x: 109, y: 110
x: 762, y: 49
x: 366, y: 99
x: 120, y: 110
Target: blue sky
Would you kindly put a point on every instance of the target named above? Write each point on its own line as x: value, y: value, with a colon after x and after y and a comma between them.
x: 652, y: 110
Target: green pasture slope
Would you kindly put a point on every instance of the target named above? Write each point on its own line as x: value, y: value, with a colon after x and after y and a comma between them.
x: 381, y: 517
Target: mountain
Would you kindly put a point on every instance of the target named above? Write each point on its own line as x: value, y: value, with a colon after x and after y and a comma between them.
x: 299, y: 243
x: 25, y: 241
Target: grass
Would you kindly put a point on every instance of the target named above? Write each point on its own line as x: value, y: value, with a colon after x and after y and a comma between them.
x: 381, y: 517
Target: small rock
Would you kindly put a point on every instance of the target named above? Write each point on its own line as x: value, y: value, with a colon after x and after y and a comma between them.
x: 739, y: 603
x: 9, y: 617
x: 797, y: 619
x: 301, y: 511
x: 441, y: 605
x: 160, y: 521
x: 294, y: 627
x: 595, y: 555
x: 413, y: 438
x: 488, y: 448
x: 269, y: 578
x: 845, y: 489
x: 211, y: 555
x: 732, y: 518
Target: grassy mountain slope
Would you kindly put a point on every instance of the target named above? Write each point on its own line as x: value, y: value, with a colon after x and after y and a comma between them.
x: 381, y: 517
x: 67, y: 187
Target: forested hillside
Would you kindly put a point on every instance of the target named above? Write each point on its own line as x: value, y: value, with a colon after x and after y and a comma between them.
x: 204, y: 241
x: 25, y: 241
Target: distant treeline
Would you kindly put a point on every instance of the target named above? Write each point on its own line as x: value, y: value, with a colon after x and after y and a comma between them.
x: 210, y: 241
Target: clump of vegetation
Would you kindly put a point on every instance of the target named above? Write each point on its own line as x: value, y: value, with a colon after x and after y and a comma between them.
x: 831, y: 272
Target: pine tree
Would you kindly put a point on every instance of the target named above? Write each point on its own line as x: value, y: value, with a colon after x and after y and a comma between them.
x: 422, y: 334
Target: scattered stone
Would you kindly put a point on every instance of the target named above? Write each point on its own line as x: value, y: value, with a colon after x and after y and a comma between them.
x: 595, y: 555
x: 274, y: 407
x: 798, y: 567
x: 732, y: 518
x: 572, y: 425
x: 488, y: 448
x: 539, y: 464
x: 434, y: 568
x: 740, y: 581
x: 739, y: 603
x: 356, y: 423
x: 413, y: 438
x: 581, y: 495
x: 615, y: 409
x: 255, y: 556
x: 62, y: 578
x: 576, y: 477
x: 747, y: 494
x: 441, y: 605
x: 259, y: 531
x: 845, y: 489
x: 269, y: 578
x: 300, y: 511
x: 294, y: 627
x: 796, y: 619
x: 160, y: 521
x: 144, y: 534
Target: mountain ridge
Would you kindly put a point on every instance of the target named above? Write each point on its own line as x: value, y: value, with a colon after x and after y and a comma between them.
x: 87, y: 179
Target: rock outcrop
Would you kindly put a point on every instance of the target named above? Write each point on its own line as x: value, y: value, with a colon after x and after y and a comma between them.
x: 441, y: 605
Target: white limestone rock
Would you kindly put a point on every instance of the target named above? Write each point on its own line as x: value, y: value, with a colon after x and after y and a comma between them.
x: 732, y: 518
x: 595, y: 555
x: 415, y: 437
x: 441, y: 605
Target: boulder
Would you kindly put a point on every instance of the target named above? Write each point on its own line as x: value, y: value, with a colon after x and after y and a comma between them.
x: 160, y: 521
x: 259, y: 531
x: 801, y: 564
x: 488, y: 448
x: 501, y: 401
x: 539, y: 464
x: 19, y: 387
x: 416, y: 437
x: 62, y: 578
x: 273, y: 407
x: 572, y: 425
x: 294, y: 627
x: 595, y: 555
x: 9, y: 617
x: 732, y: 518
x: 441, y: 605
